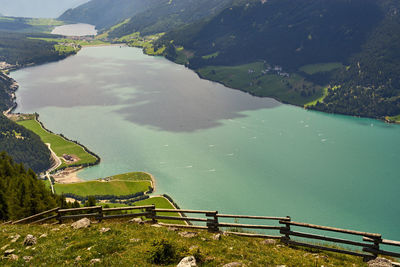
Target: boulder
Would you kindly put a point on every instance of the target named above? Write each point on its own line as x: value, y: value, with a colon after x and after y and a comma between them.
x: 269, y: 242
x: 27, y: 258
x: 137, y: 220
x: 30, y: 240
x: 94, y: 261
x: 8, y: 252
x: 104, y: 230
x: 379, y: 262
x: 43, y: 236
x: 82, y: 223
x: 15, y: 238
x: 189, y: 261
x: 233, y: 264
x: 217, y: 237
x: 13, y: 257
x: 188, y: 234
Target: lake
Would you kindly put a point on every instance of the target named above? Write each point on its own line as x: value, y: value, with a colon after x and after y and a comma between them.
x: 79, y: 29
x: 214, y: 148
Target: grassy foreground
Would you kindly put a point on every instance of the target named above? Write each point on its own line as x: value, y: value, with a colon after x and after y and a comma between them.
x: 128, y: 244
x: 59, y: 145
x: 118, y: 185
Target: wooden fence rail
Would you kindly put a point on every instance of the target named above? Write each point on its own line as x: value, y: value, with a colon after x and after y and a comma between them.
x: 369, y: 243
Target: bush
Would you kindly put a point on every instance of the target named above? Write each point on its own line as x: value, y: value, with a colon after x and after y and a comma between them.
x: 163, y: 252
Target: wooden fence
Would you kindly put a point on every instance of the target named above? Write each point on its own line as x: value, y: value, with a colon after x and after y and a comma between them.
x: 286, y: 230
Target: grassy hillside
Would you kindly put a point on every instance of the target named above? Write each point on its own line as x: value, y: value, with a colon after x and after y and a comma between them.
x: 118, y: 185
x: 168, y: 15
x: 28, y: 25
x: 59, y: 145
x: 128, y: 244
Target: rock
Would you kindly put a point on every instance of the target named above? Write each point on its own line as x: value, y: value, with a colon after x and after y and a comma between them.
x: 27, y: 258
x: 188, y: 234
x: 379, y: 262
x: 82, y: 223
x: 55, y: 229
x: 134, y: 240
x: 156, y: 225
x: 217, y: 237
x: 79, y: 258
x: 280, y: 265
x: 187, y: 262
x: 137, y: 220
x: 5, y: 246
x: 94, y: 261
x: 62, y: 225
x: 104, y: 230
x: 15, y: 238
x: 30, y: 240
x: 233, y: 264
x: 269, y: 242
x: 8, y: 252
x: 43, y: 236
x: 13, y: 257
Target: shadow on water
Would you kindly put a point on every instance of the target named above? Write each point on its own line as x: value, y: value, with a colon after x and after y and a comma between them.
x: 145, y: 90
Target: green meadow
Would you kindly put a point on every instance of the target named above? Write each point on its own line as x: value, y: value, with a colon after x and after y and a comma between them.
x: 59, y: 145
x: 250, y: 78
x: 321, y: 67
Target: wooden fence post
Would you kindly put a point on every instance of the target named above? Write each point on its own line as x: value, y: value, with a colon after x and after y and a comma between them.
x: 286, y: 230
x: 59, y: 217
x: 152, y: 213
x: 212, y: 223
x: 100, y: 217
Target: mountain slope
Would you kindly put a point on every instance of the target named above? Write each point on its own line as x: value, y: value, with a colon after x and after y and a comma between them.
x: 302, y: 38
x: 167, y: 15
x: 283, y: 32
x: 106, y: 13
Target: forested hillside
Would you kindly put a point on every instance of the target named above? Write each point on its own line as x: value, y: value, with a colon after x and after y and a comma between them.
x: 371, y: 85
x: 21, y: 193
x: 168, y: 15
x: 22, y: 49
x: 23, y: 145
x: 106, y: 13
x: 282, y: 32
x: 7, y: 88
x: 308, y: 41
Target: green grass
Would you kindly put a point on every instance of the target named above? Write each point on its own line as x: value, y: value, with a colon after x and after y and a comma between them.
x: 159, y: 202
x: 59, y: 145
x: 129, y: 244
x: 394, y: 119
x: 249, y: 78
x: 117, y: 188
x: 211, y: 55
x: 132, y: 176
x: 321, y: 67
x: 320, y: 99
x: 119, y: 185
x: 70, y: 41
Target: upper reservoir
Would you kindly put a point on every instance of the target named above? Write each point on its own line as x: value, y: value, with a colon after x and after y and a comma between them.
x: 79, y: 29
x: 211, y: 147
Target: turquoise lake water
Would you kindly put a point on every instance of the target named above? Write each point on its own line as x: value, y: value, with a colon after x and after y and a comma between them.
x: 211, y: 147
